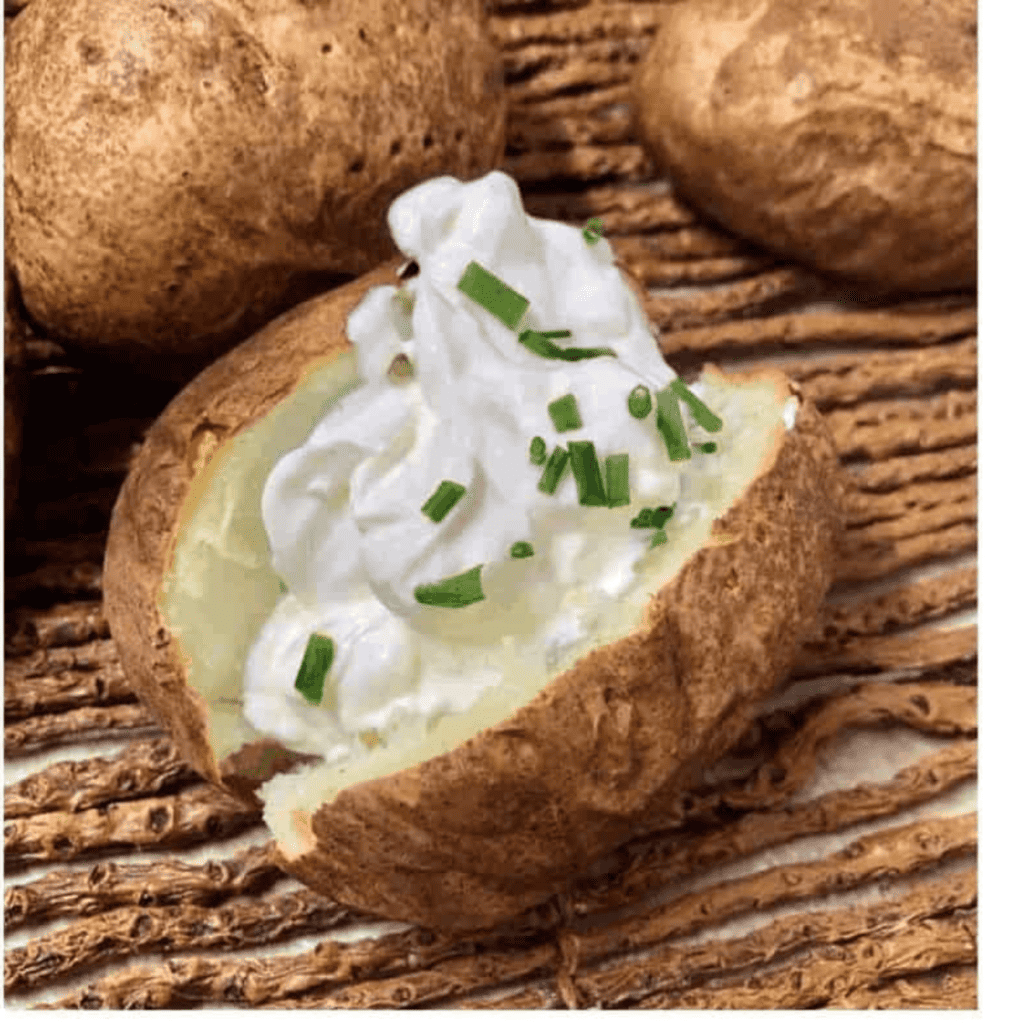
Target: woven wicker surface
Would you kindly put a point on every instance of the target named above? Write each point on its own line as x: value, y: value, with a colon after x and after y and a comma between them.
x: 828, y: 862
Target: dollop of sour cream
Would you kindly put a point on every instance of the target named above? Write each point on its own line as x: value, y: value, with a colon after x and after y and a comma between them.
x: 449, y: 392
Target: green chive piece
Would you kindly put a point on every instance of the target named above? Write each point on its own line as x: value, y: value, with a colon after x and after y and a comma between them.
x: 521, y: 549
x: 701, y: 413
x: 406, y: 300
x: 617, y: 471
x: 565, y: 413
x: 493, y: 294
x: 670, y: 425
x: 538, y: 451
x: 282, y: 586
x: 453, y: 592
x: 708, y: 447
x: 539, y: 343
x: 587, y: 470
x: 652, y: 518
x: 553, y: 470
x: 316, y: 663
x: 639, y: 402
x: 575, y: 355
x: 662, y: 514
x: 593, y: 230
x: 443, y: 500
x: 661, y: 537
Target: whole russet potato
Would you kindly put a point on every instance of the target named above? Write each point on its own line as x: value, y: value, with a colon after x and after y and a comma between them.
x: 496, y: 814
x: 179, y: 172
x: 839, y: 133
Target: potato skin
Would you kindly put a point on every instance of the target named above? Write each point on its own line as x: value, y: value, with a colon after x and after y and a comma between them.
x: 178, y: 172
x: 607, y: 748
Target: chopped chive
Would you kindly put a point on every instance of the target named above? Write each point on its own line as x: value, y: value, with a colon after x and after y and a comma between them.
x: 652, y: 518
x: 587, y: 470
x: 538, y: 451
x: 316, y: 663
x: 565, y: 413
x: 593, y: 230
x: 405, y: 300
x: 539, y: 343
x: 282, y: 586
x: 639, y: 402
x: 661, y: 537
x: 521, y: 549
x: 493, y: 294
x: 575, y: 355
x: 701, y: 413
x: 662, y: 514
x: 617, y: 471
x: 670, y: 425
x: 443, y: 500
x: 453, y: 592
x: 708, y: 447
x: 553, y: 470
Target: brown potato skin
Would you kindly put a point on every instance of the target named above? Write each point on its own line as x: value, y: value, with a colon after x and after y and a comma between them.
x: 606, y: 749
x: 177, y: 173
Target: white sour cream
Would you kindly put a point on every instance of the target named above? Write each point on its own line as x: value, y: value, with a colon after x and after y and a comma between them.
x: 343, y: 514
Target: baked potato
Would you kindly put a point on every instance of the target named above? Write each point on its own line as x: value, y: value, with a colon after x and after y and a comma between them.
x: 468, y: 812
x: 842, y: 135
x: 178, y: 173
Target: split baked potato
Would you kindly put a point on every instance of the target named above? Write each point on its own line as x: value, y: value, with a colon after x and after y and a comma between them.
x: 493, y: 809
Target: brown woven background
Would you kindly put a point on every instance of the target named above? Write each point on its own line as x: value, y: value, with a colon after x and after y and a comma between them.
x: 829, y: 862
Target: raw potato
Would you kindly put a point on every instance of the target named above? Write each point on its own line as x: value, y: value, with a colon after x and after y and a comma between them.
x: 467, y: 837
x: 179, y: 172
x: 840, y: 133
